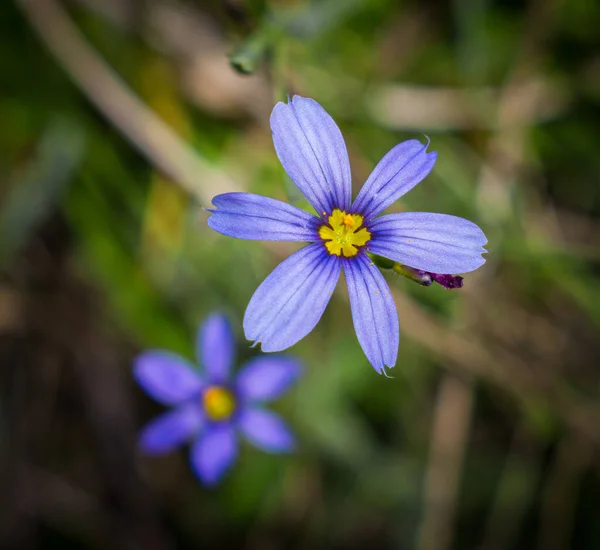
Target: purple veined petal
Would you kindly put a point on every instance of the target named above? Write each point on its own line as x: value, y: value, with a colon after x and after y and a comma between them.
x: 214, y: 453
x: 438, y: 243
x: 291, y: 300
x: 171, y: 429
x: 215, y: 348
x: 373, y: 312
x: 403, y: 167
x: 167, y: 377
x: 266, y: 430
x: 311, y: 148
x: 253, y: 217
x: 266, y: 378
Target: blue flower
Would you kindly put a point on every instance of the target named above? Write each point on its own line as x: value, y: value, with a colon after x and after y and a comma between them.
x: 291, y: 300
x: 210, y: 408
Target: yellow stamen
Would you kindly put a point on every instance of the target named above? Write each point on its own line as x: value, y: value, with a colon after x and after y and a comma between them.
x: 342, y: 235
x: 348, y: 221
x: 219, y: 403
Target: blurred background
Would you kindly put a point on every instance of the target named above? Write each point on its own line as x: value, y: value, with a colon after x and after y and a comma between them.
x: 119, y: 119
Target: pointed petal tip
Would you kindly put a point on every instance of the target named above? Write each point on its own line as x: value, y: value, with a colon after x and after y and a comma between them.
x: 383, y: 371
x: 385, y: 366
x: 421, y: 147
x: 297, y: 98
x: 267, y: 347
x: 288, y: 100
x: 262, y: 346
x: 426, y: 146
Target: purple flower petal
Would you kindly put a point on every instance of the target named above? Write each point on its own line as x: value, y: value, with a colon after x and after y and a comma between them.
x: 266, y: 430
x: 373, y: 312
x: 266, y: 378
x: 172, y: 429
x: 290, y: 301
x: 214, y: 453
x: 396, y: 174
x: 253, y: 217
x: 166, y: 376
x: 311, y: 148
x: 215, y: 348
x: 437, y: 243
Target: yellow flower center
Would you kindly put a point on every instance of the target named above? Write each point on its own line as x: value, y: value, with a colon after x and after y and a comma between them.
x: 343, y: 235
x: 219, y: 403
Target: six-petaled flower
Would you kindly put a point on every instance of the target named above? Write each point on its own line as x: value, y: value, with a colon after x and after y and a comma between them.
x: 291, y: 300
x: 211, y: 407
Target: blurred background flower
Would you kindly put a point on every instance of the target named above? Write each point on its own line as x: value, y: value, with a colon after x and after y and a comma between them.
x: 120, y: 118
x: 210, y: 406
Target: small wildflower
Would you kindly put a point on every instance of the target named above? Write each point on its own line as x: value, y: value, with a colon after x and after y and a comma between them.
x: 291, y: 300
x: 211, y: 407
